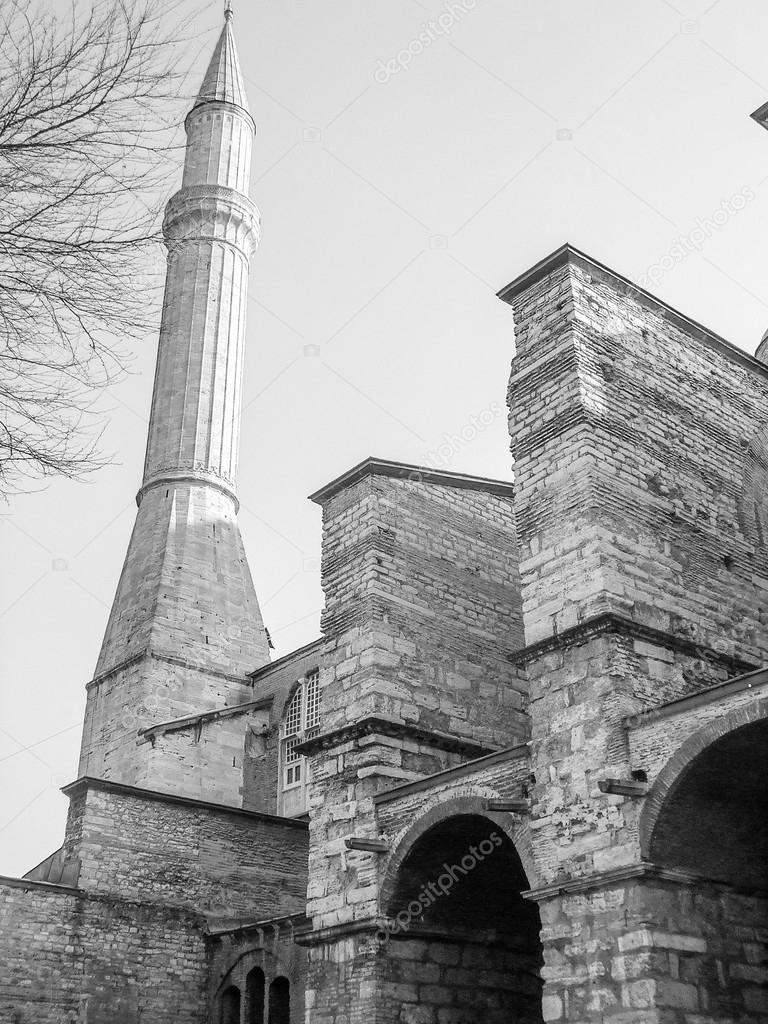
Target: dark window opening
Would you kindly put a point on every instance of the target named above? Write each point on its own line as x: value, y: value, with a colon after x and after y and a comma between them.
x: 230, y: 1005
x: 254, y: 996
x: 280, y: 1001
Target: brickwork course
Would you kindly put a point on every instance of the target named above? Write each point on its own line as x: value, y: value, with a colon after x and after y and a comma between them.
x: 532, y: 732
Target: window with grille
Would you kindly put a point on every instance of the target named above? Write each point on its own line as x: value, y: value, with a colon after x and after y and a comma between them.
x: 301, y: 721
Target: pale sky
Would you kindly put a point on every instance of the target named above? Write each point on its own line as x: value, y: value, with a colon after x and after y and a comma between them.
x: 394, y: 206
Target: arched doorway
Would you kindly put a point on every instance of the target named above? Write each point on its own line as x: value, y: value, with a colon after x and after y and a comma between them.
x: 254, y: 996
x: 280, y: 1001
x: 715, y: 818
x: 230, y: 1005
x: 713, y: 824
x: 461, y: 936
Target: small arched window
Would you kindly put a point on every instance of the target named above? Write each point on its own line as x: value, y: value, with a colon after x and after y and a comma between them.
x: 280, y: 1001
x: 254, y: 996
x: 301, y: 721
x: 230, y: 1005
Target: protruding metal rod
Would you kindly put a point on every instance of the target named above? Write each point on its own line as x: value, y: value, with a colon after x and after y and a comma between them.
x: 228, y: 13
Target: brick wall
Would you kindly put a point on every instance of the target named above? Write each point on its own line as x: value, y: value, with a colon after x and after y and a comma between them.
x: 630, y: 428
x: 67, y: 957
x: 251, y: 959
x: 422, y: 614
x: 181, y: 853
x: 641, y: 583
x: 640, y: 952
x: 421, y: 604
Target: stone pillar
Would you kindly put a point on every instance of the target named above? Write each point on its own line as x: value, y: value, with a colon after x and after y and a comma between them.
x: 628, y: 424
x: 421, y: 616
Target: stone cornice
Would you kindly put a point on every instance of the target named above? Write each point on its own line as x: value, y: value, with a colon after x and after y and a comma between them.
x: 404, y: 471
x: 610, y: 622
x: 388, y: 928
x: 87, y: 782
x: 246, y: 927
x: 567, y: 254
x: 318, y: 936
x: 222, y: 106
x: 606, y: 879
x: 192, y: 477
x: 280, y: 663
x: 393, y: 728
x: 748, y: 681
x: 522, y: 750
x: 28, y: 883
x: 152, y: 732
x: 170, y: 660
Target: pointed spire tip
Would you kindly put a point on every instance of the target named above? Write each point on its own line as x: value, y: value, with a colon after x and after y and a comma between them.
x: 228, y: 13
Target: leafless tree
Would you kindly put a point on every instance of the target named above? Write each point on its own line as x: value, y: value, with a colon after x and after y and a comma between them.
x: 87, y: 106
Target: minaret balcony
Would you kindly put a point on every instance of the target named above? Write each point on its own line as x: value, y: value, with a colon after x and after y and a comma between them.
x: 212, y: 213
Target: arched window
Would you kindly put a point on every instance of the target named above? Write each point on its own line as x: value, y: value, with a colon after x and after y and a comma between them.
x: 280, y: 1001
x: 230, y: 1005
x: 254, y: 996
x: 301, y: 721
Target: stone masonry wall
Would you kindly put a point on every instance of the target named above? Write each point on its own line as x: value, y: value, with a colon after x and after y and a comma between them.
x: 269, y: 952
x: 184, y: 629
x: 641, y: 583
x: 223, y: 863
x: 652, y: 952
x: 421, y: 618
x: 67, y: 957
x: 422, y: 607
x: 631, y: 428
x: 261, y: 765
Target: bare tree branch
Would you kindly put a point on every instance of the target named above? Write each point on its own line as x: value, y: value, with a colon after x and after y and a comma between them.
x: 89, y: 115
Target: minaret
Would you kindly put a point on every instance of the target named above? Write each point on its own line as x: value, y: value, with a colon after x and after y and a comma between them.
x: 185, y: 624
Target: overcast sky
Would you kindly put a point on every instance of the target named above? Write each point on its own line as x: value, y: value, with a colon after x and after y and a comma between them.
x: 412, y: 157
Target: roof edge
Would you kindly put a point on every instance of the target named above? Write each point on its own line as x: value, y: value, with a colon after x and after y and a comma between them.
x: 286, y: 659
x: 567, y: 253
x: 86, y: 782
x: 404, y: 470
x: 761, y: 115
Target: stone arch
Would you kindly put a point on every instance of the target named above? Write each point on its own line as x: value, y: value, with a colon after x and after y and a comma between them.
x: 439, y: 810
x: 681, y: 761
x: 280, y: 1000
x: 456, y: 930
x: 229, y: 1002
x: 255, y: 995
x: 263, y: 954
x: 705, y: 825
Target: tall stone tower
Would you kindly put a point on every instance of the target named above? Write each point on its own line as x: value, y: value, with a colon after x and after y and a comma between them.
x: 185, y: 624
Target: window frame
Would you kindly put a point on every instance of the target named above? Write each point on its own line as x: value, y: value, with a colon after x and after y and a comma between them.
x: 300, y: 722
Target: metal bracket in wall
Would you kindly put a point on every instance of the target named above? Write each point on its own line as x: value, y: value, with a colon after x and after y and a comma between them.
x: 513, y: 806
x: 623, y: 787
x: 369, y: 845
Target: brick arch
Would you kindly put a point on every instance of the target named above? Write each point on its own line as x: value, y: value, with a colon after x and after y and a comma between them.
x: 237, y: 966
x: 442, y: 810
x: 674, y: 770
x: 282, y: 706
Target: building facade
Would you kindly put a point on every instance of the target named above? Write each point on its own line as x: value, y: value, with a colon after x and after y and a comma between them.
x: 520, y: 776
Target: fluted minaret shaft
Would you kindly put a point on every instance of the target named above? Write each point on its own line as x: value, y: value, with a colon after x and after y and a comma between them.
x: 211, y: 231
x: 185, y: 626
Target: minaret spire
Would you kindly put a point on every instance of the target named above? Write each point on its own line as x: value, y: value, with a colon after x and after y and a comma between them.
x: 185, y: 624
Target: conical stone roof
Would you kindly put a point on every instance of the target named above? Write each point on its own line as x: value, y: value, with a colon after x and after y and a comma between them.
x: 224, y: 80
